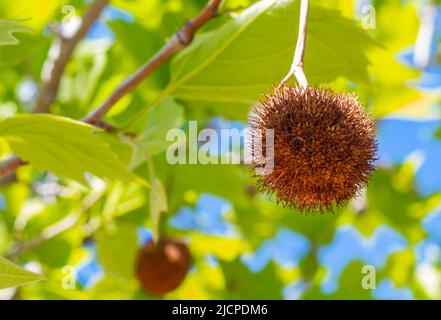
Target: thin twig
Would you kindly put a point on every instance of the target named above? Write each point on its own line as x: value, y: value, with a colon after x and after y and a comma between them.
x: 297, y: 64
x: 70, y: 221
x: 7, y: 169
x: 9, y: 165
x: 65, y: 47
x: 180, y: 40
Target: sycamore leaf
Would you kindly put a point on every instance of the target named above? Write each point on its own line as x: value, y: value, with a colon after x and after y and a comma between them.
x: 231, y: 67
x: 7, y: 28
x: 29, y: 44
x: 34, y: 14
x: 166, y: 115
x: 117, y: 246
x: 63, y: 146
x: 12, y: 275
x: 244, y: 284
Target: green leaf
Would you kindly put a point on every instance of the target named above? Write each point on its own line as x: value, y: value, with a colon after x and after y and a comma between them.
x: 245, y: 57
x: 34, y: 14
x: 226, y: 181
x: 261, y: 219
x: 7, y: 28
x: 241, y: 283
x: 392, y: 196
x: 438, y: 133
x: 30, y: 45
x: 161, y: 16
x: 63, y: 146
x: 129, y: 35
x: 158, y: 204
x: 12, y: 275
x: 166, y: 115
x: 117, y: 246
x: 81, y: 80
x: 350, y: 286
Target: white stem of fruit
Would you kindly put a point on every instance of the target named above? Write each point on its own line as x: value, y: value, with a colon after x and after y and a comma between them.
x: 297, y: 64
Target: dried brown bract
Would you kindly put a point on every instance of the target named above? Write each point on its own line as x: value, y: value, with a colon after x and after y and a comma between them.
x: 324, y: 147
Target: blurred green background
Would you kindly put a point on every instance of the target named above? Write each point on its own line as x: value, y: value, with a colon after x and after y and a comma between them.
x: 244, y: 246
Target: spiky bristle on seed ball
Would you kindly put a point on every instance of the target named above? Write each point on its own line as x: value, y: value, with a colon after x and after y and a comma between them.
x: 324, y: 147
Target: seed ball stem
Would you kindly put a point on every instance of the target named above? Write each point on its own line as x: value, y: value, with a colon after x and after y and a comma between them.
x: 297, y: 63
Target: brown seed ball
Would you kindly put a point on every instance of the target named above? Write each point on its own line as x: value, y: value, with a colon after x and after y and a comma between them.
x: 324, y: 147
x: 162, y: 267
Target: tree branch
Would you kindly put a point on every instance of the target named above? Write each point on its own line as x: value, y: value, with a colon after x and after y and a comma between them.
x: 180, y: 40
x: 66, y: 46
x: 297, y: 64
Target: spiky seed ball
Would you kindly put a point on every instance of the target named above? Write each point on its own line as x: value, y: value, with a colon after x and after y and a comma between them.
x: 162, y: 267
x: 324, y: 147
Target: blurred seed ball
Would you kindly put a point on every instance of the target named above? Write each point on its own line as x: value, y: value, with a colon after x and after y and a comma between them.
x: 324, y: 147
x: 162, y: 267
